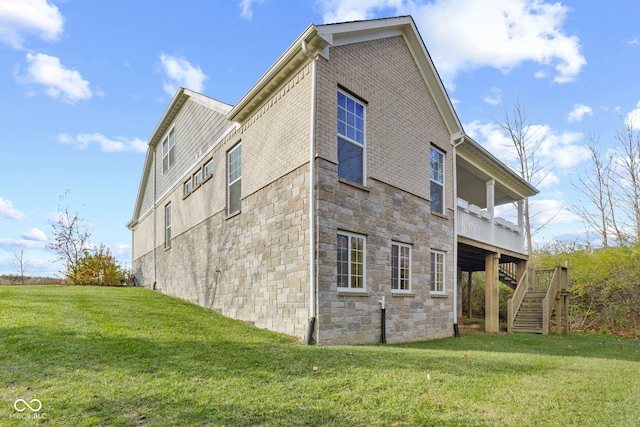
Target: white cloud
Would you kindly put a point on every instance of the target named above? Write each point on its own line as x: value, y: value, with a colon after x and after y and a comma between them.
x: 246, y: 7
x: 122, y: 252
x: 35, y: 234
x: 82, y: 142
x: 545, y: 210
x: 181, y: 74
x: 578, y: 112
x: 554, y: 151
x: 29, y: 17
x: 60, y: 82
x: 355, y: 10
x: 633, y: 118
x: 468, y: 34
x: 494, y: 97
x: 13, y: 244
x: 8, y: 211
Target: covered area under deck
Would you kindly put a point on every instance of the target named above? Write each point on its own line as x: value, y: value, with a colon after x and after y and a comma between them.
x: 498, y: 265
x: 484, y: 241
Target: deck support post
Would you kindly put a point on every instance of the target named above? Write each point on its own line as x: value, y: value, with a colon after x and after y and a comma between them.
x: 491, y: 299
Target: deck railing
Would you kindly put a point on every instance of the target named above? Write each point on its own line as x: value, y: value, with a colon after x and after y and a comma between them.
x: 476, y: 224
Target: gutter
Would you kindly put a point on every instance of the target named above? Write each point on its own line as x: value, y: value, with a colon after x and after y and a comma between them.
x: 312, y: 198
x: 461, y: 137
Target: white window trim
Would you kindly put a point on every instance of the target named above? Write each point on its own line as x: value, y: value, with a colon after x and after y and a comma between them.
x: 364, y: 263
x: 444, y: 272
x: 168, y: 220
x: 402, y: 291
x: 197, y: 184
x: 364, y: 136
x: 170, y: 163
x: 229, y: 182
x: 204, y: 170
x: 187, y: 187
x: 444, y: 164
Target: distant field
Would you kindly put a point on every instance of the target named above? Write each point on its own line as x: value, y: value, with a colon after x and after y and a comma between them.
x: 16, y: 280
x: 132, y: 357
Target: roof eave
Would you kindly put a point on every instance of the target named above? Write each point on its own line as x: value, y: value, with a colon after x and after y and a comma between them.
x: 501, y: 169
x: 292, y: 59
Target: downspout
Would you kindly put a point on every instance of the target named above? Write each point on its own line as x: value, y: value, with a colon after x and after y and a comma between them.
x: 456, y: 330
x: 312, y: 198
x: 155, y: 225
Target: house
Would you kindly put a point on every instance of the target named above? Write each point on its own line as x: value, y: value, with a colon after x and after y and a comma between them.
x: 340, y: 184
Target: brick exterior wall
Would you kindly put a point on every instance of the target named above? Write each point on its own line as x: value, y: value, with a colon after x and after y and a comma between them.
x: 402, y: 123
x: 262, y: 251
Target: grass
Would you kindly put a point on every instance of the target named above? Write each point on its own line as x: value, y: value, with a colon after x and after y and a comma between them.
x: 129, y: 357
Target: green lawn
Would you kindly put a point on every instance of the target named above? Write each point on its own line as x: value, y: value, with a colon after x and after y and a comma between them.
x: 129, y: 356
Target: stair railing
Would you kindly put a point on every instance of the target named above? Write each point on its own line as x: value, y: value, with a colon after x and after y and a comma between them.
x: 514, y: 303
x: 557, y: 284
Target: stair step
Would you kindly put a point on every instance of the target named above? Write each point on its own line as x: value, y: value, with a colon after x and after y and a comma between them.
x: 527, y: 329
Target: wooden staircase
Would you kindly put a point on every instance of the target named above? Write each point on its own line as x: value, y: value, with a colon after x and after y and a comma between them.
x: 508, y: 278
x: 529, y: 316
x: 534, y: 301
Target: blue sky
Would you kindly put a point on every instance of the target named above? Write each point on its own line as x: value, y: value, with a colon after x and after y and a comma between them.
x: 84, y: 83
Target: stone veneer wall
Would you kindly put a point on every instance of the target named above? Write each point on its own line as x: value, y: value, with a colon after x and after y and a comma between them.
x: 261, y: 252
x: 402, y: 123
x: 383, y: 214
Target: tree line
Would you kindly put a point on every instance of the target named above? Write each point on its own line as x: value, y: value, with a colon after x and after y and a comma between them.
x: 604, y: 268
x: 83, y: 263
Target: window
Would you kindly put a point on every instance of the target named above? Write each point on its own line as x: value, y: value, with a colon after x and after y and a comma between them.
x: 351, y: 152
x: 167, y: 226
x: 168, y: 151
x: 197, y: 178
x: 351, y: 261
x: 437, y: 271
x: 437, y: 180
x: 400, y: 267
x: 208, y: 169
x: 234, y: 167
x: 188, y: 187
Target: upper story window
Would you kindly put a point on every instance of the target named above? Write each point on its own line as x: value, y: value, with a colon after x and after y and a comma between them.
x: 197, y: 178
x: 351, y: 261
x: 351, y: 152
x: 234, y: 168
x: 208, y: 169
x: 437, y: 272
x: 188, y: 187
x: 437, y: 180
x: 168, y: 151
x: 167, y: 226
x: 400, y: 267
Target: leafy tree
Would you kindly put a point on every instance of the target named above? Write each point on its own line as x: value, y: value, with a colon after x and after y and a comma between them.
x: 70, y: 241
x: 99, y: 267
x: 604, y: 285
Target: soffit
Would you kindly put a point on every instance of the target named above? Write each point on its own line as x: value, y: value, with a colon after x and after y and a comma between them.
x: 477, y: 161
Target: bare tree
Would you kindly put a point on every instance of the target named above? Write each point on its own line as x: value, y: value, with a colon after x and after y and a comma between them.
x: 20, y: 264
x: 628, y: 174
x: 70, y: 241
x: 531, y: 168
x: 597, y: 185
